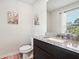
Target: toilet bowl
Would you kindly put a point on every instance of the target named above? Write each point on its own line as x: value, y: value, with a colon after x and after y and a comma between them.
x: 25, y: 50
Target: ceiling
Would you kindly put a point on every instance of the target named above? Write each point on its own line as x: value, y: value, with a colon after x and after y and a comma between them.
x: 55, y: 4
x: 29, y: 1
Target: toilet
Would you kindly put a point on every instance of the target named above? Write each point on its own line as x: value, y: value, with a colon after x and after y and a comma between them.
x: 25, y: 50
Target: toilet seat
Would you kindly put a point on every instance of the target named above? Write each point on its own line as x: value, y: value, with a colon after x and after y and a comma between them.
x: 25, y: 49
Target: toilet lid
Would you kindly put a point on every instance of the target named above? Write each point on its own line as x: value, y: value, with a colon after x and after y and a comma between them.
x: 25, y: 47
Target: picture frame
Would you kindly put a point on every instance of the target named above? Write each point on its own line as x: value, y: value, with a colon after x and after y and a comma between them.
x: 13, y: 17
x: 36, y: 20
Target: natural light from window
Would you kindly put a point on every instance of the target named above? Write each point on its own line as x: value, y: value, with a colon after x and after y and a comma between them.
x: 73, y: 21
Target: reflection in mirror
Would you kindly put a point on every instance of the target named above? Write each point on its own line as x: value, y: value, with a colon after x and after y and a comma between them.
x: 57, y: 17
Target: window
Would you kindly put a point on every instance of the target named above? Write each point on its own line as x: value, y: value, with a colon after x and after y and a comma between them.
x: 73, y: 21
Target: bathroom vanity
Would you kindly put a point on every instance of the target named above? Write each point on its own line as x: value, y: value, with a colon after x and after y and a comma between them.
x: 49, y: 50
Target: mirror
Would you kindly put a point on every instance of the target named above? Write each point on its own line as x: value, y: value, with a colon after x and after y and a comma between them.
x: 57, y: 17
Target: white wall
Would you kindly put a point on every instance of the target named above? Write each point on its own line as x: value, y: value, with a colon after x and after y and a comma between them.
x: 56, y: 24
x: 12, y: 36
x: 40, y: 9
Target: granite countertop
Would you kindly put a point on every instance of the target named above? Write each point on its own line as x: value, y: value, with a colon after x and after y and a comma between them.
x: 63, y: 43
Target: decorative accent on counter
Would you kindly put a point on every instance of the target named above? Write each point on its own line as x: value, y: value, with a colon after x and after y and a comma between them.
x: 12, y: 17
x: 68, y: 36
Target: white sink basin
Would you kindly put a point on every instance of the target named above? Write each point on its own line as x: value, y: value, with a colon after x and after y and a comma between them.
x: 56, y: 40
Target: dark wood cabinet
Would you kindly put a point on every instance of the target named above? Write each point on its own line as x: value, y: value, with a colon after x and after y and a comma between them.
x: 40, y: 54
x: 43, y: 50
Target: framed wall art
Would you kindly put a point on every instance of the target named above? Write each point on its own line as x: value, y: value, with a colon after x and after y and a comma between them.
x: 36, y: 20
x: 13, y: 17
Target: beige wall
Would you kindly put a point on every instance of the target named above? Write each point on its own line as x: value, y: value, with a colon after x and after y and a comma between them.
x: 40, y: 9
x: 49, y: 20
x: 12, y: 36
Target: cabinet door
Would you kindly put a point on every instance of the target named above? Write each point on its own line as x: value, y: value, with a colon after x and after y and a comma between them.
x: 43, y: 50
x: 40, y: 54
